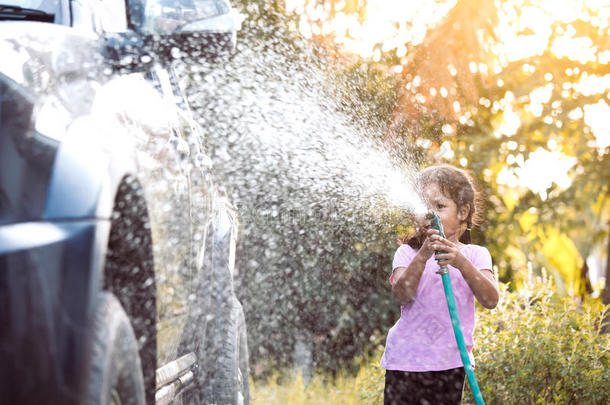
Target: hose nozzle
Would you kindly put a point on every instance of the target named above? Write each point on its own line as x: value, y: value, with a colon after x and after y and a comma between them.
x: 435, y: 223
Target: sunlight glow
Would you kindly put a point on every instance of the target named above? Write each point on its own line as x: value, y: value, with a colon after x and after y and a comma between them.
x: 526, y: 28
x: 592, y: 84
x: 516, y: 45
x: 525, y: 31
x: 596, y: 117
x: 534, y: 172
x: 509, y: 120
x: 539, y: 97
x: 579, y: 49
x: 394, y: 24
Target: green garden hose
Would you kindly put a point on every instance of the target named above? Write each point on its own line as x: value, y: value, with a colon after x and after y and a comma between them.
x: 455, y: 320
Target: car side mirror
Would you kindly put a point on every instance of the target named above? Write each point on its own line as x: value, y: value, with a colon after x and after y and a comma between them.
x: 185, y: 29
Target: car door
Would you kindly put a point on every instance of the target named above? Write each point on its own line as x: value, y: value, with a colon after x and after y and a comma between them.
x: 183, y: 296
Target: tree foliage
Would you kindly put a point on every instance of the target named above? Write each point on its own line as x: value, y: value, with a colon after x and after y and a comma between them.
x: 495, y: 111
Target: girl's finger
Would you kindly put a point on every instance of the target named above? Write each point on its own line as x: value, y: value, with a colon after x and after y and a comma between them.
x: 438, y: 246
x: 446, y: 243
x: 444, y: 256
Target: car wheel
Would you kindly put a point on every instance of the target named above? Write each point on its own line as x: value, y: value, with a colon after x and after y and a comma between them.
x: 243, y: 357
x: 115, y: 372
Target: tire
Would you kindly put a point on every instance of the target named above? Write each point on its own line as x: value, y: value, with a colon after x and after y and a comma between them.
x: 115, y: 372
x: 243, y: 357
x: 222, y: 347
x: 227, y: 381
x: 230, y: 383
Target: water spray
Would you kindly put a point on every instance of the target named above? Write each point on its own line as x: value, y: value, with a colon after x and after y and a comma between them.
x: 435, y: 223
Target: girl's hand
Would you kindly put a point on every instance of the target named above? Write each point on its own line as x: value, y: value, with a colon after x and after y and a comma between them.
x: 451, y: 253
x: 427, y: 249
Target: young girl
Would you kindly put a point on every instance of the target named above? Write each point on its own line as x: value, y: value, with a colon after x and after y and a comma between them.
x: 421, y: 358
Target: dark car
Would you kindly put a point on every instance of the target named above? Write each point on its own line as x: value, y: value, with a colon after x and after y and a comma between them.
x: 117, y: 248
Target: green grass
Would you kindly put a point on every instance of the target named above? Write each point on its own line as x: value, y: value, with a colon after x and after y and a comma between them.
x: 362, y: 388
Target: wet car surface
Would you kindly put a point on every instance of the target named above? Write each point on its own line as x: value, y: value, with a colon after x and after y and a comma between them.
x: 117, y: 247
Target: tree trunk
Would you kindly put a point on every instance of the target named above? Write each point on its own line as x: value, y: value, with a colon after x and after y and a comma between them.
x: 585, y: 287
x: 303, y: 356
x: 606, y: 293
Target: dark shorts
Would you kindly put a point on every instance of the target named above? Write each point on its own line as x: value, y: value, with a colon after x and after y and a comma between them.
x: 420, y: 388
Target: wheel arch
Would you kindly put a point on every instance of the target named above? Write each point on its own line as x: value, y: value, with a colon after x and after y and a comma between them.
x: 128, y: 270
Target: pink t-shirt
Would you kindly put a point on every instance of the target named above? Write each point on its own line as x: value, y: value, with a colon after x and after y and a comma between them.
x: 423, y: 339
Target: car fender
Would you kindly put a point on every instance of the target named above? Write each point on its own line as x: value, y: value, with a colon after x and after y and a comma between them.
x: 88, y: 169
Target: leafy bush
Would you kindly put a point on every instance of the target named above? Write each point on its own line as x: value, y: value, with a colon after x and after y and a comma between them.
x: 534, y: 347
x: 538, y: 347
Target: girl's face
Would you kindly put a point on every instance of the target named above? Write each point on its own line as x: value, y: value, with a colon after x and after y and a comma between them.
x: 450, y: 214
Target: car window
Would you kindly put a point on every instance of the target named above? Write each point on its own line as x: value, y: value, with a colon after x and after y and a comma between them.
x: 48, y: 6
x: 163, y: 16
x: 58, y: 10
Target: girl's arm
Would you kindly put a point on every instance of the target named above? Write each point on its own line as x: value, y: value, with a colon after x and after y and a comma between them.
x: 481, y: 282
x: 406, y: 279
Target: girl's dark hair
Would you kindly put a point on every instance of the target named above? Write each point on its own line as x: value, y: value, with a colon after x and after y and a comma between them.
x: 456, y: 184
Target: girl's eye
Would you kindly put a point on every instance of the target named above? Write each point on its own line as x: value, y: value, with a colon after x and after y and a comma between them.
x: 441, y: 205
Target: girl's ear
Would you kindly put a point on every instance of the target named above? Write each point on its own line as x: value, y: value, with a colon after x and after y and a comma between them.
x: 463, y: 212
